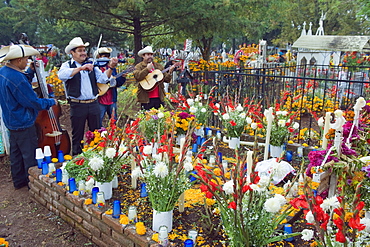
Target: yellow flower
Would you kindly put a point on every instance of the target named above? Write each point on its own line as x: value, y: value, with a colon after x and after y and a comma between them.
x: 3, y: 242
x: 217, y: 171
x: 155, y: 237
x: 75, y: 193
x: 348, y: 216
x: 210, y: 202
x: 305, y: 145
x: 140, y: 228
x: 109, y: 212
x: 290, y: 142
x: 54, y: 160
x: 88, y: 201
x: 123, y: 219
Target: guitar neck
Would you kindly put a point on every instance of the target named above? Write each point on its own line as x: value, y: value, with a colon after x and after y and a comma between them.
x: 123, y: 72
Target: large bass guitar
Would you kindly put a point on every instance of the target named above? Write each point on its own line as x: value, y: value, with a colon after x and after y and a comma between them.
x: 49, y: 131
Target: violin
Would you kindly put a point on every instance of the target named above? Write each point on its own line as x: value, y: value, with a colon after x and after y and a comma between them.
x: 100, y: 62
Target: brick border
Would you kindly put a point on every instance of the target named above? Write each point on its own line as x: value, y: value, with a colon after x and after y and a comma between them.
x: 102, y: 229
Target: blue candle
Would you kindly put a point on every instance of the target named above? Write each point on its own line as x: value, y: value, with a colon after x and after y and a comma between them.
x: 48, y: 159
x: 191, y: 177
x: 58, y: 175
x: 39, y: 163
x: 220, y: 157
x: 72, y: 185
x: 94, y: 193
x: 143, y: 192
x: 45, y: 168
x: 287, y: 230
x: 116, y: 209
x: 199, y: 140
x: 60, y: 156
x: 188, y: 243
x: 195, y: 148
x: 289, y: 156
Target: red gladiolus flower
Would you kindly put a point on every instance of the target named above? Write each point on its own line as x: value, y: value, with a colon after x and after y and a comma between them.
x: 80, y: 162
x: 246, y: 188
x: 299, y: 202
x: 232, y: 123
x: 340, y: 237
x: 203, y: 188
x: 354, y: 223
x: 360, y: 206
x: 339, y: 223
x: 209, y: 195
x: 232, y: 205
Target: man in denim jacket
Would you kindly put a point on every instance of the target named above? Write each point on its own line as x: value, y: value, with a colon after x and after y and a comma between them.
x: 20, y: 107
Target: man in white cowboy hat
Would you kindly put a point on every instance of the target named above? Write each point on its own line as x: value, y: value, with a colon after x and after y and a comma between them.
x: 20, y: 107
x: 152, y: 97
x: 108, y: 101
x: 81, y: 80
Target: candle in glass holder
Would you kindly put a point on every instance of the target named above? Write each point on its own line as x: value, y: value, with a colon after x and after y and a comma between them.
x: 188, y: 243
x: 218, y: 135
x: 212, y: 160
x: 224, y: 165
x: 192, y: 234
x: 94, y: 193
x: 82, y: 187
x: 58, y: 175
x: 100, y: 199
x: 60, y: 156
x: 143, y: 191
x: 132, y: 214
x: 116, y: 209
x: 45, y: 168
x: 47, y: 154
x: 163, y: 236
x: 72, y: 185
x: 39, y: 157
x: 51, y: 168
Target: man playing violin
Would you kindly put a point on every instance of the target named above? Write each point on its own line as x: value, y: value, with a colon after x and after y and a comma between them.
x: 154, y: 97
x: 20, y: 107
x: 108, y: 101
x: 82, y: 91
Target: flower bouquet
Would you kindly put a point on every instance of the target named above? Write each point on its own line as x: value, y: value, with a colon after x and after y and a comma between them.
x: 154, y: 123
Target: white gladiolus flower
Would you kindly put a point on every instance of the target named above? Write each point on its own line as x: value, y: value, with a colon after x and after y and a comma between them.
x: 147, y: 149
x: 242, y: 115
x: 338, y: 113
x: 190, y: 101
x: 217, y: 105
x: 254, y: 125
x: 226, y: 116
x: 228, y: 187
x: 366, y: 222
x: 193, y: 109
x: 264, y: 181
x: 200, y: 104
x: 249, y: 120
x: 122, y: 148
x: 330, y: 203
x: 188, y: 166
x: 239, y: 108
x: 103, y: 133
x: 96, y: 163
x: 256, y: 188
x: 320, y: 122
x: 295, y: 125
x: 283, y: 113
x: 161, y: 170
x: 310, y: 218
x: 281, y: 122
x: 160, y: 115
x: 360, y: 103
x: 203, y: 109
x: 272, y: 205
x: 136, y: 173
x: 110, y: 153
x: 307, y: 234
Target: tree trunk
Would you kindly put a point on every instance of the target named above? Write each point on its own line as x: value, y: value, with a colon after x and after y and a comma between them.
x: 137, y: 39
x: 205, y: 47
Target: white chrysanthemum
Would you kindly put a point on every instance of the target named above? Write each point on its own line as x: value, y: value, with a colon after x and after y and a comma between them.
x: 96, y: 163
x: 239, y: 108
x: 307, y: 234
x: 160, y: 115
x: 366, y: 222
x: 330, y: 203
x: 228, y: 187
x: 200, y: 104
x: 254, y: 125
x: 249, y: 120
x: 295, y: 125
x: 320, y: 122
x: 283, y: 113
x: 264, y: 181
x: 203, y: 109
x: 193, y: 109
x: 242, y: 115
x: 226, y: 116
x: 310, y: 218
x: 147, y: 149
x: 256, y: 188
x: 281, y: 199
x: 190, y: 101
x: 110, y: 153
x: 122, y: 148
x: 89, y: 184
x: 272, y: 205
x: 136, y: 173
x: 281, y: 122
x: 161, y: 170
x: 197, y: 98
x: 188, y: 166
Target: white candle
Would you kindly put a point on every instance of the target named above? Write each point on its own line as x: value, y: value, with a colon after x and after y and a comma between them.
x: 182, y: 142
x: 324, y: 144
x: 182, y: 202
x: 249, y: 165
x: 269, y: 118
x: 133, y: 179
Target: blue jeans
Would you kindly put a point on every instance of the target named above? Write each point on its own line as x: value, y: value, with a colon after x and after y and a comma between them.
x: 109, y: 110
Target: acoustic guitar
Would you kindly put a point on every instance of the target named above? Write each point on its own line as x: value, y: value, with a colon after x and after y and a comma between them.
x: 103, y: 87
x: 154, y: 77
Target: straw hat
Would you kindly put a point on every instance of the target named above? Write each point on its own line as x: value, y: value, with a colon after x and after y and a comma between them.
x: 104, y: 50
x: 147, y: 49
x: 75, y: 42
x: 17, y: 51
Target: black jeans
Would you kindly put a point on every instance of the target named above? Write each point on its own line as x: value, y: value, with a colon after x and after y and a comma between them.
x: 153, y: 103
x: 80, y: 113
x: 23, y: 144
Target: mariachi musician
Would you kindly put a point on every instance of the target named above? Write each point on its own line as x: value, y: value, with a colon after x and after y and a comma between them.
x: 152, y: 97
x: 20, y: 107
x: 81, y: 80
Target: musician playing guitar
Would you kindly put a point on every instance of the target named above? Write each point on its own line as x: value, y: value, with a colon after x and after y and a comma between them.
x: 151, y: 91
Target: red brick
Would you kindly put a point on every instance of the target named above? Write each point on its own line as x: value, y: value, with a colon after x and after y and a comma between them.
x: 39, y: 185
x: 59, y: 206
x: 139, y: 240
x: 31, y: 179
x: 60, y: 189
x: 34, y: 172
x: 120, y: 238
x: 85, y: 232
x: 110, y: 241
x: 46, y: 180
x: 102, y: 226
x: 91, y: 228
x: 34, y: 188
x: 52, y: 193
x: 86, y: 216
x: 53, y: 209
x: 39, y: 199
x: 75, y: 199
x: 74, y: 216
x: 113, y: 223
x: 99, y: 242
x: 46, y: 196
x: 63, y: 200
x: 67, y: 219
x: 93, y: 210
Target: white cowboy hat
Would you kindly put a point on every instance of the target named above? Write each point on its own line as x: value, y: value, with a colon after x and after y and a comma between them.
x: 75, y: 42
x: 104, y: 50
x: 17, y: 51
x: 147, y: 49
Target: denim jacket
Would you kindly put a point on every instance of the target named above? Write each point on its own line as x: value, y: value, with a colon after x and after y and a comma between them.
x: 19, y: 103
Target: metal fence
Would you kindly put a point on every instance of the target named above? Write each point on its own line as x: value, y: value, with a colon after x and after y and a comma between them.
x: 311, y: 90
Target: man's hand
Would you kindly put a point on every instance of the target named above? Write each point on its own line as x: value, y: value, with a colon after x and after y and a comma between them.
x: 32, y: 65
x: 87, y: 66
x: 150, y: 66
x: 113, y: 62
